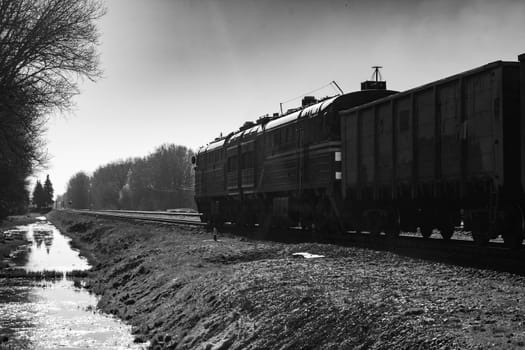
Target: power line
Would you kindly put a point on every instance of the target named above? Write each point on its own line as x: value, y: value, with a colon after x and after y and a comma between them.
x: 308, y: 93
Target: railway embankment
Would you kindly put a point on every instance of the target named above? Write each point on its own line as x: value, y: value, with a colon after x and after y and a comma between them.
x: 181, y: 289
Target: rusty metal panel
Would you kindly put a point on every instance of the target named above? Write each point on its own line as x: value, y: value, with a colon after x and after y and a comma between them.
x: 403, y: 108
x: 483, y: 122
x: 424, y: 108
x: 384, y: 143
x: 448, y: 111
x: 367, y: 146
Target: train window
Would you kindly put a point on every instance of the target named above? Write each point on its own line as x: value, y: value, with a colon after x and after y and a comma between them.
x: 404, y: 121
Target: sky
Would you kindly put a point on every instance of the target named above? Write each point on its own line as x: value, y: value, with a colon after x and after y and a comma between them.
x: 185, y: 71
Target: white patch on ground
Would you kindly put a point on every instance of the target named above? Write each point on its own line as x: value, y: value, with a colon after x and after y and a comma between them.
x: 307, y: 255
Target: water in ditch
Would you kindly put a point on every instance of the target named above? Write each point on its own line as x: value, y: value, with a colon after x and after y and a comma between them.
x: 54, y: 314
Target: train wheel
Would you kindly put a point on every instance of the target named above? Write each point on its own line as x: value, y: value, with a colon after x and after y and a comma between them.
x: 374, y: 223
x: 324, y: 218
x: 513, y: 232
x: 481, y: 238
x: 446, y: 232
x: 447, y: 225
x: 393, y: 232
x: 375, y: 229
x: 480, y: 232
x: 426, y: 231
x: 394, y: 224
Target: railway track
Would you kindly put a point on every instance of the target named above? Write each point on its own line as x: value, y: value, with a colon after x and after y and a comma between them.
x: 169, y: 217
x: 460, y: 250
x: 494, y: 256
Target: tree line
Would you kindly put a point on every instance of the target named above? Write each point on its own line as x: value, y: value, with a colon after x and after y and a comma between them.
x: 46, y: 46
x: 158, y: 181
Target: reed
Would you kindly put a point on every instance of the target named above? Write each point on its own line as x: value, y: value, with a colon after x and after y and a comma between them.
x: 41, y: 275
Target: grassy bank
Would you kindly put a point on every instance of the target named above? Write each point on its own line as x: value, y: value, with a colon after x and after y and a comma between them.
x: 182, y: 290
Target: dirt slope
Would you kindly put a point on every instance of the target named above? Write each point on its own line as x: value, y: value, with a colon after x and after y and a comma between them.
x: 182, y: 290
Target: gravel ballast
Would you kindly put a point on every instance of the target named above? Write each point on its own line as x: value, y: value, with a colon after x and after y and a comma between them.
x: 180, y: 289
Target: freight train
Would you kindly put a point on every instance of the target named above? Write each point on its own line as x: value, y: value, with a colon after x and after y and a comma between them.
x: 378, y: 160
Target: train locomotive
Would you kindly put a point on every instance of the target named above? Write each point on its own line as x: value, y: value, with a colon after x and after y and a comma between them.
x: 378, y: 160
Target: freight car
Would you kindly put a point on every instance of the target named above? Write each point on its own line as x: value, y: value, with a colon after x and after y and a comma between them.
x: 377, y: 160
x: 434, y: 155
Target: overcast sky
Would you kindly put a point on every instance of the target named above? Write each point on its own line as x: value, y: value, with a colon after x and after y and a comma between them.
x: 183, y: 71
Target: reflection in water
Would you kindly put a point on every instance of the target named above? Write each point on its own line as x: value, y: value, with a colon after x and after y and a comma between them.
x: 50, y: 250
x: 55, y: 314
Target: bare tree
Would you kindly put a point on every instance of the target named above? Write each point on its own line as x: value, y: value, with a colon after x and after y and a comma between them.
x: 46, y: 47
x: 107, y: 183
x: 78, y: 191
x: 159, y: 181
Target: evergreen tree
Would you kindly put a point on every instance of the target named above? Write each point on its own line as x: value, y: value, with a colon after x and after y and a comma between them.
x: 48, y: 193
x: 38, y: 195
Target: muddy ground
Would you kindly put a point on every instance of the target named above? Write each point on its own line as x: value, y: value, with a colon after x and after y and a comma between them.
x: 182, y: 290
x: 11, y: 240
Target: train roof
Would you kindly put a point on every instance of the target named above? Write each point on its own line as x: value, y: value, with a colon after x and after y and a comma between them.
x: 254, y: 130
x: 307, y: 112
x: 283, y: 120
x: 269, y: 123
x: 443, y: 81
x: 214, y: 145
x: 310, y: 111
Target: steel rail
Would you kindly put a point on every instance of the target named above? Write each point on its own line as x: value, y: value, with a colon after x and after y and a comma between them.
x: 161, y: 217
x: 494, y: 256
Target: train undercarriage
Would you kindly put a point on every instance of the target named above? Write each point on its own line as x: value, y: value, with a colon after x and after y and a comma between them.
x: 480, y: 210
